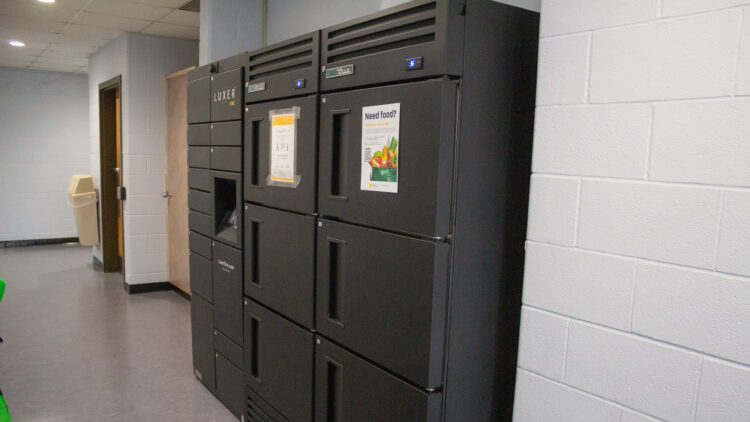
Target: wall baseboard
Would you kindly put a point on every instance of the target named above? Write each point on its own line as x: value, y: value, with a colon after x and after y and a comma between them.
x: 153, y: 287
x: 36, y: 242
x: 98, y: 265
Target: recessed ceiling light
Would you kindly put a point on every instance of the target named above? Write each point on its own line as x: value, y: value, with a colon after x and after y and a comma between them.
x: 16, y: 43
x: 46, y: 1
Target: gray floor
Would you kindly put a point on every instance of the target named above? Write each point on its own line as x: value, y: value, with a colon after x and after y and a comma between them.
x: 78, y: 348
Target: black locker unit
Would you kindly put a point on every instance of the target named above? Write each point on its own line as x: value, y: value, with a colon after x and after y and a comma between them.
x: 215, y: 137
x: 282, y: 80
x: 421, y: 244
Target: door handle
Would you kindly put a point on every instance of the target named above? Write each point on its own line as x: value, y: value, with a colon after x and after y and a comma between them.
x: 166, y: 194
x: 116, y: 169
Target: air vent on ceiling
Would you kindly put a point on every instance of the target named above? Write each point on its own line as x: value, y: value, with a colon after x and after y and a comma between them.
x: 284, y: 58
x: 400, y: 29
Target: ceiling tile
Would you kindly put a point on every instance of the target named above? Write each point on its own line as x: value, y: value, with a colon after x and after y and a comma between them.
x: 128, y: 9
x: 26, y: 36
x: 30, y: 24
x: 65, y: 54
x: 174, y: 4
x: 30, y: 45
x: 111, y: 22
x: 169, y: 30
x: 34, y: 9
x: 14, y: 63
x: 73, y: 48
x: 85, y: 31
x: 67, y: 61
x: 181, y: 17
x: 7, y: 50
x: 53, y: 67
x: 73, y: 4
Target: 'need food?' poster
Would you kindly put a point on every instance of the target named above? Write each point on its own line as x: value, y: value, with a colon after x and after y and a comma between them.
x: 380, y: 147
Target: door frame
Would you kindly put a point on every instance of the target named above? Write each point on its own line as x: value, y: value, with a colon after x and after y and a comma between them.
x: 108, y: 135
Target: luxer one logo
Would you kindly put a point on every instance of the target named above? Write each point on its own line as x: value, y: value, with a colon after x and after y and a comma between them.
x: 225, y: 95
x: 227, y: 266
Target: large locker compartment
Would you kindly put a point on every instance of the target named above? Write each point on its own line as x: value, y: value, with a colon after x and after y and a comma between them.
x: 279, y: 362
x: 424, y: 165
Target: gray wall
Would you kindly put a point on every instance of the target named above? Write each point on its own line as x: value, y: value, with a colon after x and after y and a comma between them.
x: 43, y: 141
x: 144, y: 61
x: 229, y: 27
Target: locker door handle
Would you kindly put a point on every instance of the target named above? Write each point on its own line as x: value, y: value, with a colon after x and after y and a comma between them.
x: 254, y: 149
x: 333, y: 391
x: 254, y: 238
x: 254, y: 364
x: 335, y: 279
x: 337, y: 188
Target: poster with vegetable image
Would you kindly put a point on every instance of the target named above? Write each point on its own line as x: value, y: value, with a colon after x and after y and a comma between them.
x: 380, y: 142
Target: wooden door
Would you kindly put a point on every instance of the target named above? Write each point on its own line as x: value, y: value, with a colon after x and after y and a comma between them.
x: 177, y: 204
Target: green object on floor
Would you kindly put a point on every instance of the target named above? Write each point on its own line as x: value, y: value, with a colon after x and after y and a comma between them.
x: 4, y: 414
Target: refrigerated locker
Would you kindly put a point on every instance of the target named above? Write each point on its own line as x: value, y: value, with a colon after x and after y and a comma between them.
x: 426, y: 125
x: 280, y: 193
x: 215, y: 110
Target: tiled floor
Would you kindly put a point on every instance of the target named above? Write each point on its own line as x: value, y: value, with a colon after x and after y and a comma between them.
x: 78, y: 348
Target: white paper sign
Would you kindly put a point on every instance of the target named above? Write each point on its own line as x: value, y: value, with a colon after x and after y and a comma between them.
x: 283, y: 165
x: 380, y: 146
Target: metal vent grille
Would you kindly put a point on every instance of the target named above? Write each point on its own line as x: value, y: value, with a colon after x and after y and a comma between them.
x: 254, y: 413
x: 400, y: 29
x: 285, y: 58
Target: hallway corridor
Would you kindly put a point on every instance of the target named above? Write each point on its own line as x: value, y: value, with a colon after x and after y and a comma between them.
x: 78, y: 348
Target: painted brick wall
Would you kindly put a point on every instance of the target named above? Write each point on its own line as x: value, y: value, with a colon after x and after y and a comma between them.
x: 43, y: 141
x: 637, y: 285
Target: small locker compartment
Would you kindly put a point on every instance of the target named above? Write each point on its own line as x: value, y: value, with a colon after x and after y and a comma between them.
x: 230, y: 388
x: 226, y: 220
x: 199, y: 222
x: 279, y: 362
x: 226, y: 95
x: 199, y: 134
x: 291, y: 185
x: 202, y: 320
x: 228, y: 349
x: 383, y: 296
x: 386, y: 156
x: 227, y: 278
x: 199, y: 157
x: 199, y: 94
x: 200, y: 244
x: 201, y: 276
x: 226, y: 158
x: 199, y: 201
x: 349, y: 389
x: 280, y: 259
x: 285, y: 69
x: 226, y: 133
x: 258, y: 410
x: 414, y: 40
x: 199, y: 179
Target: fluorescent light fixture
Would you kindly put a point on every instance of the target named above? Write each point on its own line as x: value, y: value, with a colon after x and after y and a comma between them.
x: 16, y: 43
x: 46, y: 1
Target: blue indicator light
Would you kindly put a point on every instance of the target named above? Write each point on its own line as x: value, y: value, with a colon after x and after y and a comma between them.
x: 412, y: 63
x: 299, y: 83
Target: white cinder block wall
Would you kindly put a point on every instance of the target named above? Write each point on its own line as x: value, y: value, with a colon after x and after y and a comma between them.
x: 44, y: 116
x: 637, y: 285
x: 144, y: 61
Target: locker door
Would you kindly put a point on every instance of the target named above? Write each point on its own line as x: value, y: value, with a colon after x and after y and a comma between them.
x: 384, y: 296
x: 424, y: 158
x: 279, y: 269
x: 202, y: 319
x: 226, y: 95
x: 349, y: 389
x: 227, y: 272
x: 300, y: 198
x: 229, y: 385
x: 279, y: 362
x: 199, y: 100
x: 201, y: 276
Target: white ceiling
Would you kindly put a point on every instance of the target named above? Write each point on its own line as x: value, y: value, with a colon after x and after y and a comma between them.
x: 60, y: 36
